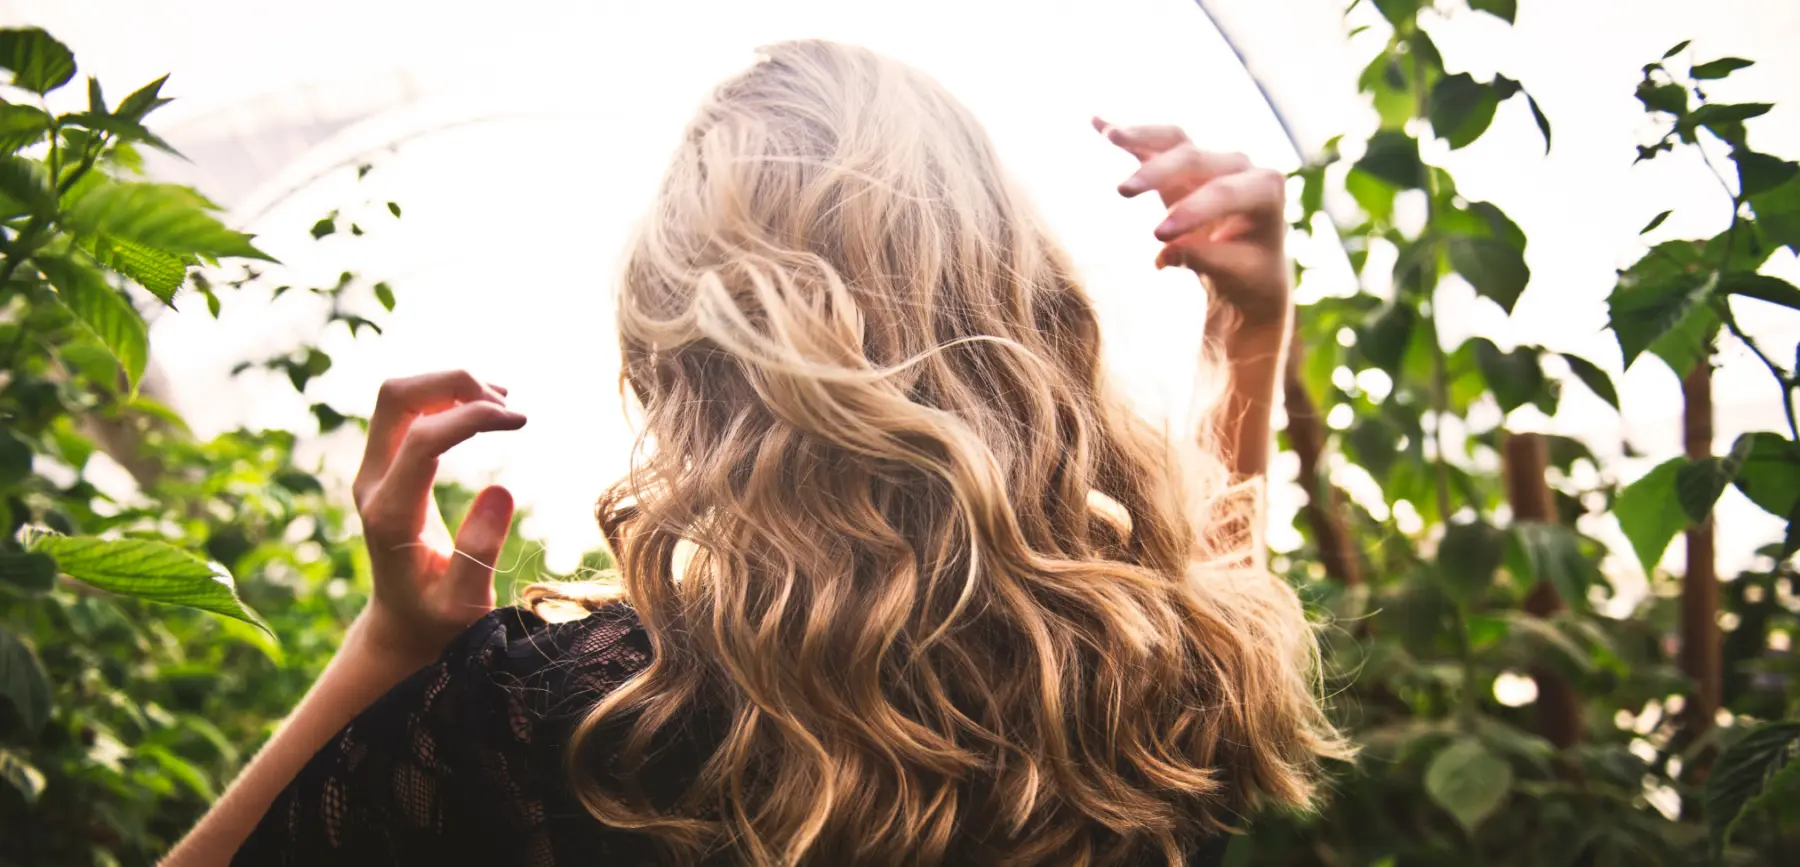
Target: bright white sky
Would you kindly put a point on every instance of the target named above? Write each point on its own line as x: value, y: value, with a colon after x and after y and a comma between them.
x: 503, y: 262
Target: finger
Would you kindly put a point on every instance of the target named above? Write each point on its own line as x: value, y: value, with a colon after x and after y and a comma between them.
x: 1180, y: 170
x: 1258, y: 194
x: 1142, y: 142
x: 397, y: 507
x: 401, y: 401
x: 1225, y: 259
x: 478, y: 543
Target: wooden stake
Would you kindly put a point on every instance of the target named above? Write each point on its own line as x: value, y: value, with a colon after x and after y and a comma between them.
x: 1526, y: 460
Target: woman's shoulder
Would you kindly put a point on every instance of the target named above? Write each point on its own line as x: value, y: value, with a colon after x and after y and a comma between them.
x: 554, y: 668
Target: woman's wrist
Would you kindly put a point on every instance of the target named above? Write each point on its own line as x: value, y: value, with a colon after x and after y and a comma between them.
x: 1246, y: 338
x: 378, y: 639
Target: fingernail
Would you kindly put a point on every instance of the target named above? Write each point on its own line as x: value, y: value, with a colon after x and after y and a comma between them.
x: 1166, y: 230
x: 1131, y: 188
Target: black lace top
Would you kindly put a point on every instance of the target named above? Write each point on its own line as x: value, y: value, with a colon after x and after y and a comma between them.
x: 462, y: 763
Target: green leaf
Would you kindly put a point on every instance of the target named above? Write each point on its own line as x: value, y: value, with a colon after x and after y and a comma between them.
x: 394, y: 208
x: 123, y: 129
x: 1383, y: 340
x: 1649, y: 513
x: 96, y: 99
x: 1384, y: 79
x: 1468, y: 556
x: 165, y: 217
x: 328, y: 417
x: 1770, y: 473
x: 148, y: 570
x: 385, y: 294
x: 1373, y: 442
x: 1761, y: 287
x: 1469, y: 782
x: 1519, y: 743
x: 1719, y: 68
x: 1778, y: 214
x: 1690, y: 342
x: 38, y: 62
x: 23, y: 683
x: 1543, y: 121
x: 1239, y: 852
x: 1516, y: 377
x: 1393, y: 156
x: 142, y: 101
x: 1594, y: 378
x: 1679, y: 46
x: 161, y: 273
x: 1541, y: 638
x: 1759, y: 761
x: 21, y: 126
x: 1663, y: 297
x: 1654, y: 222
x: 105, y: 312
x: 1666, y: 98
x: 1759, y: 172
x: 323, y: 227
x: 1374, y: 195
x: 1495, y: 268
x: 1718, y: 113
x: 1461, y: 108
x: 1505, y: 10
x: 1398, y: 12
x: 1499, y: 224
x: 1698, y: 484
x: 1550, y: 553
x: 26, y: 187
x: 181, y: 770
x: 31, y: 573
x: 21, y: 775
x: 15, y: 459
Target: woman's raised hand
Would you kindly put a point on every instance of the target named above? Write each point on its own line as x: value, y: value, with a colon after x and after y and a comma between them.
x: 427, y: 589
x: 1225, y: 217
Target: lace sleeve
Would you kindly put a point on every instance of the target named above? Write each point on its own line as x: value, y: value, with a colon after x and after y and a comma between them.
x: 462, y: 762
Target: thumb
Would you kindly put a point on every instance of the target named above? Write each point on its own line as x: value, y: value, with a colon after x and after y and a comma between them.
x: 478, y: 543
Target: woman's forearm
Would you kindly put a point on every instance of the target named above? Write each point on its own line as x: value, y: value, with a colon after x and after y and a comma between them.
x: 357, y: 675
x: 1253, y: 356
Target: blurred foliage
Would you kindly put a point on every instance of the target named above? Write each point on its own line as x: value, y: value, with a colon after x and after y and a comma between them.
x: 121, y: 719
x: 1445, y: 602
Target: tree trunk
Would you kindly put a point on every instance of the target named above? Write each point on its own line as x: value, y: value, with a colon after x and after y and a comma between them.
x: 1700, y: 651
x: 1324, y: 504
x: 1526, y: 457
x: 121, y: 435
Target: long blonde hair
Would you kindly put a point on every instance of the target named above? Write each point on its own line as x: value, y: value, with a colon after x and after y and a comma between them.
x: 947, y: 602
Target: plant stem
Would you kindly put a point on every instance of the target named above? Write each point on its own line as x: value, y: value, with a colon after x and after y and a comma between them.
x: 1469, y: 706
x: 55, y: 133
x: 1781, y: 376
x: 1719, y: 176
x: 87, y: 164
x: 25, y: 244
x: 1439, y: 411
x: 1439, y: 377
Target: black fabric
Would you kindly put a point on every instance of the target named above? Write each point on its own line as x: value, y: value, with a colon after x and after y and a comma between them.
x: 463, y: 763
